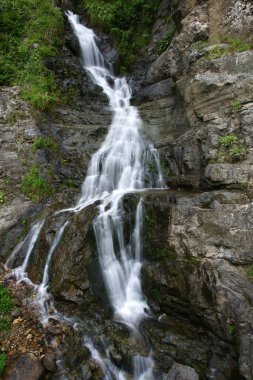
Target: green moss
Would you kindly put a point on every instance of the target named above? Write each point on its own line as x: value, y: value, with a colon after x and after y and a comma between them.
x: 44, y: 143
x: 3, y: 361
x: 34, y: 186
x: 30, y: 32
x: 216, y: 52
x: 128, y: 22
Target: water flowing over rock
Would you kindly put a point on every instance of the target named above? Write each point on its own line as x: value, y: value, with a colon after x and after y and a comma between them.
x: 154, y: 283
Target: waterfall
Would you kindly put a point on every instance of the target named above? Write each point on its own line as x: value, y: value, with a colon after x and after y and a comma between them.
x: 124, y: 164
x: 121, y: 166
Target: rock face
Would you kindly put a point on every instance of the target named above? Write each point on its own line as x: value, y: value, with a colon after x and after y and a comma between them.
x: 208, y: 96
x: 195, y: 99
x: 197, y: 267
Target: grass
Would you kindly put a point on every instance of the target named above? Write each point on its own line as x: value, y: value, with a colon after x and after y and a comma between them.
x: 3, y: 360
x: 199, y: 44
x: 44, y: 143
x: 34, y: 186
x: 6, y: 306
x: 2, y: 197
x: 234, y: 45
x: 129, y: 23
x: 249, y: 273
x: 30, y: 32
x: 237, y: 105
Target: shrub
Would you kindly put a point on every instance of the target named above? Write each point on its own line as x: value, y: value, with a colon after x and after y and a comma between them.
x: 30, y: 32
x: 34, y: 186
x: 237, y: 105
x: 44, y: 143
x: 128, y: 22
x: 228, y: 140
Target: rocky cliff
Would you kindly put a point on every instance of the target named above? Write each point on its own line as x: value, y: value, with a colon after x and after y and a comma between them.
x: 193, y: 86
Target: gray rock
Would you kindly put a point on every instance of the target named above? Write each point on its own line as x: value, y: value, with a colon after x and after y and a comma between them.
x: 49, y: 362
x: 181, y: 372
x: 27, y: 366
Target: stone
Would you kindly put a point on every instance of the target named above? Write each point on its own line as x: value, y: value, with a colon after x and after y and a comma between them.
x: 181, y: 372
x: 27, y: 366
x: 49, y: 362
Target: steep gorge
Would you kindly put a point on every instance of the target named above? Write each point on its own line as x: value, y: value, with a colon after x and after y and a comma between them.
x: 196, y: 103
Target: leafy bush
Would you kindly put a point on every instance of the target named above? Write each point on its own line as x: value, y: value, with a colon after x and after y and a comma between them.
x: 237, y: 105
x: 44, y: 143
x: 34, y: 186
x: 3, y: 360
x: 228, y: 140
x: 128, y: 22
x: 30, y: 32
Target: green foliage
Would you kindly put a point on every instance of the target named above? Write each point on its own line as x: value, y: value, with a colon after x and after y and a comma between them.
x: 231, y: 150
x: 44, y: 143
x: 231, y: 329
x: 2, y: 197
x: 216, y: 52
x: 13, y: 117
x: 6, y: 306
x: 34, y: 186
x: 165, y: 42
x: 234, y: 45
x: 199, y: 45
x: 237, y: 105
x: 128, y: 22
x: 30, y: 32
x: 249, y: 272
x: 3, y: 360
x: 6, y: 303
x: 228, y: 140
x: 238, y: 150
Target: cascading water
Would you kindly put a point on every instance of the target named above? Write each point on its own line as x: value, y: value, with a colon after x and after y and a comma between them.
x: 124, y: 164
x: 119, y: 167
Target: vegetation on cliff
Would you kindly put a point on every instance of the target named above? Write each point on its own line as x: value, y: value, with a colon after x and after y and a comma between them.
x: 30, y: 32
x: 128, y: 22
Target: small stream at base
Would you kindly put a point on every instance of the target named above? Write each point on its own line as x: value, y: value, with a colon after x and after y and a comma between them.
x: 124, y: 164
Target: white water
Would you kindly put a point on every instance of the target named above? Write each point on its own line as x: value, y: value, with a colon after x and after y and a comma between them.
x: 122, y: 165
x: 20, y: 272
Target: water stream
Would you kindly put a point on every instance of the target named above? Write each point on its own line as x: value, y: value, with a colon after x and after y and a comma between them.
x: 124, y: 164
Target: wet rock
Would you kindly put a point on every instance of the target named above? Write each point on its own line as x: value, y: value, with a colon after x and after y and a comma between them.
x: 181, y: 372
x: 27, y: 366
x: 49, y: 362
